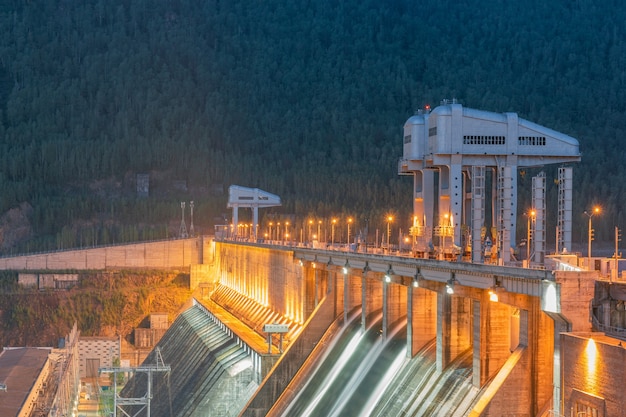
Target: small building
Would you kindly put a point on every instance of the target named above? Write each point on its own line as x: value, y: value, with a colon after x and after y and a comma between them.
x: 47, y: 281
x: 148, y: 338
x: 96, y: 353
x: 24, y: 372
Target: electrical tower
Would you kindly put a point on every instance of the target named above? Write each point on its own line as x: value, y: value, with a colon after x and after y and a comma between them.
x: 142, y: 402
x: 191, y: 230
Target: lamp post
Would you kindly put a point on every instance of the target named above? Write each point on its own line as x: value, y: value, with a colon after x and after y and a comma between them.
x: 389, y: 220
x: 310, y: 224
x: 530, y: 217
x: 319, y: 230
x: 332, y: 233
x: 595, y: 210
x: 349, y: 223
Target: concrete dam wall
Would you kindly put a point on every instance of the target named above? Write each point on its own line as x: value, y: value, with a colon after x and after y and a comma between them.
x: 164, y: 254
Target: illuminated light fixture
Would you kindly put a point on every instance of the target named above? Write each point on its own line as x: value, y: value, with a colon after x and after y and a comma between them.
x: 493, y: 291
x: 417, y: 278
x: 549, y: 296
x: 389, y: 274
x: 450, y: 285
x: 301, y: 262
x: 346, y: 268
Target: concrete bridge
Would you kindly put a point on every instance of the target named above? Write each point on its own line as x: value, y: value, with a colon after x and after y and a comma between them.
x: 508, y: 318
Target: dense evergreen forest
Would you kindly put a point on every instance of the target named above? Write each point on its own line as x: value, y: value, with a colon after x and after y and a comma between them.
x: 304, y: 99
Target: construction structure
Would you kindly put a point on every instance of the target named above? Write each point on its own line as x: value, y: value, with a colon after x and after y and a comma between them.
x: 253, y: 198
x: 464, y: 164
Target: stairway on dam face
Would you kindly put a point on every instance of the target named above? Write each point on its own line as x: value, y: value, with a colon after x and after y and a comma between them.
x: 253, y: 314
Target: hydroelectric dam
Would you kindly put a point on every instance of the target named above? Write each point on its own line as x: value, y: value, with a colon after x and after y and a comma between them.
x: 278, y: 328
x: 368, y: 334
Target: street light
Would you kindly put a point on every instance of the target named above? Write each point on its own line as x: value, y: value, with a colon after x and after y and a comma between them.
x: 332, y: 232
x: 530, y: 217
x: 349, y: 223
x: 389, y: 220
x: 596, y: 210
x: 310, y: 224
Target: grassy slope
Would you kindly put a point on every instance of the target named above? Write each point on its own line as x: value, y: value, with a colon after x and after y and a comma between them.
x: 103, y: 304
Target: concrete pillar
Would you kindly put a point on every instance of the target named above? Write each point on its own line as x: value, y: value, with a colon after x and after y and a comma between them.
x: 564, y: 222
x: 310, y: 296
x: 443, y: 330
x: 332, y: 289
x: 317, y: 286
x: 424, y: 206
x: 560, y: 326
x: 385, y: 307
x: 456, y: 196
x: 479, y: 343
x: 460, y: 325
x: 396, y: 304
x: 346, y: 294
x: 363, y: 299
x: 421, y: 318
x: 235, y: 219
x: 372, y: 293
x: 492, y: 335
x: 409, y: 321
x: 454, y: 328
x: 428, y: 181
x: 505, y: 201
x: 352, y: 292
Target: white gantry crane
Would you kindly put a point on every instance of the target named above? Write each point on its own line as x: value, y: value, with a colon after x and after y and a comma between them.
x: 253, y: 198
x: 464, y: 164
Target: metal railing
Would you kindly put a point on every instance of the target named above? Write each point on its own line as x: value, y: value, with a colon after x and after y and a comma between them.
x: 617, y: 332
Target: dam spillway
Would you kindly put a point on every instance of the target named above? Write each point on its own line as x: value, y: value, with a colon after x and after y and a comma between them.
x: 211, y: 373
x: 424, y: 336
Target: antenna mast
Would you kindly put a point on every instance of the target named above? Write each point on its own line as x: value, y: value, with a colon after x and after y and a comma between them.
x: 183, y: 226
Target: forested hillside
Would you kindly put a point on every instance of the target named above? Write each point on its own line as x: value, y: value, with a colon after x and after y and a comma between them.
x: 304, y: 99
